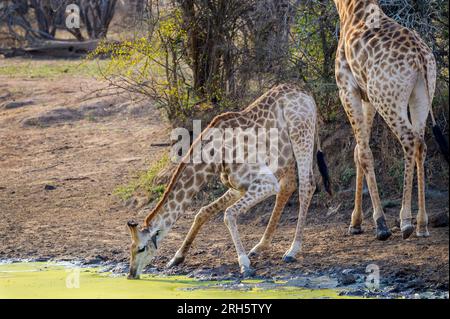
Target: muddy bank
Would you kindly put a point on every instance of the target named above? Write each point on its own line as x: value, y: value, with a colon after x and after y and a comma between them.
x: 57, y: 199
x: 348, y: 283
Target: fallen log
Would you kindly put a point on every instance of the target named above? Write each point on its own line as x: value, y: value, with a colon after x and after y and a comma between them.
x: 62, y: 48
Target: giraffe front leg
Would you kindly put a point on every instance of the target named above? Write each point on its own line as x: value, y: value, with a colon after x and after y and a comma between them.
x: 243, y: 260
x: 355, y: 225
x: 368, y: 114
x: 287, y: 187
x: 256, y: 193
x: 200, y: 219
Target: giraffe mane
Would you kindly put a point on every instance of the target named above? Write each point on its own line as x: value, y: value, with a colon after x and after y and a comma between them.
x: 215, y: 121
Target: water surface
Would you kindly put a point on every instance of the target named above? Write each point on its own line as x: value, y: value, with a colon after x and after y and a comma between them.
x: 51, y: 280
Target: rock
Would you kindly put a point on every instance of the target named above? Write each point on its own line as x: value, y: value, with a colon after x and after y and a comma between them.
x: 107, y: 268
x: 269, y: 281
x: 442, y: 286
x: 394, y: 289
x: 56, y: 116
x: 41, y: 259
x: 298, y: 282
x: 94, y: 260
x: 199, y: 252
x: 356, y: 293
x: 416, y: 284
x: 439, y: 220
x: 202, y: 274
x: 120, y: 268
x: 49, y: 187
x: 17, y: 104
x: 151, y: 270
x: 347, y: 277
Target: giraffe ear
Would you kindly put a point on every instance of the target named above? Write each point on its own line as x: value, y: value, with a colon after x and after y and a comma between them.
x: 155, y: 239
x: 132, y: 226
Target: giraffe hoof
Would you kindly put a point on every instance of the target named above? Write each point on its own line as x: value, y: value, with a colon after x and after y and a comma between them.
x: 355, y: 230
x: 383, y: 231
x: 289, y: 259
x: 248, y: 272
x: 407, y: 231
x: 423, y: 233
x: 383, y: 234
x: 175, y: 261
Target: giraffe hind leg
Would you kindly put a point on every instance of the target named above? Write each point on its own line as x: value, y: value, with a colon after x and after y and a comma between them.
x: 288, y: 185
x: 422, y: 218
x: 408, y: 132
x: 302, y: 143
x: 419, y: 107
x: 306, y: 190
x: 351, y: 99
x: 401, y: 127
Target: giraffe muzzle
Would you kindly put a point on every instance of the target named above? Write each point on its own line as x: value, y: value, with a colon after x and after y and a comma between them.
x: 133, y: 274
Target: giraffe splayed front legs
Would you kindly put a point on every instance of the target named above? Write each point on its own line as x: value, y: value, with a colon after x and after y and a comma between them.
x: 258, y: 191
x: 201, y: 218
x: 288, y: 185
x: 293, y: 113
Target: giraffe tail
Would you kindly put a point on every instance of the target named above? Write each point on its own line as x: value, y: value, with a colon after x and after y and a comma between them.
x: 441, y: 140
x: 429, y: 74
x: 439, y: 137
x: 321, y: 163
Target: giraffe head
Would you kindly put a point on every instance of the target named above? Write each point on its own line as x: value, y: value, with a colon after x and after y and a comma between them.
x: 144, y: 244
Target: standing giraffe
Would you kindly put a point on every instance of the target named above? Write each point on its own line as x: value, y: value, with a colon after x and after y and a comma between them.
x: 293, y: 113
x: 386, y: 68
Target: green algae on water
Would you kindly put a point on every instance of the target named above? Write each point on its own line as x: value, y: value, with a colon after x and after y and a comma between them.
x: 50, y: 280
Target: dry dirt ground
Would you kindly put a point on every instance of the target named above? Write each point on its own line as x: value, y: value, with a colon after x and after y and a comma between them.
x: 62, y: 156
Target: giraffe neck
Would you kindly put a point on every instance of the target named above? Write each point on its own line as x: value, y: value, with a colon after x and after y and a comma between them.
x: 353, y: 12
x: 186, y: 182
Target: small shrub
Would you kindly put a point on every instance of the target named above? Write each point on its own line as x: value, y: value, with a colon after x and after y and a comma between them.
x: 145, y: 182
x: 347, y: 175
x: 396, y: 173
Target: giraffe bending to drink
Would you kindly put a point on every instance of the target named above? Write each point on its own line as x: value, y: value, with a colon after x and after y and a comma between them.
x: 293, y: 114
x: 384, y: 68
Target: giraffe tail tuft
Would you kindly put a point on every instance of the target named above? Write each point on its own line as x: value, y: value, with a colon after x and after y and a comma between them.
x: 429, y: 74
x: 323, y: 169
x: 442, y: 142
